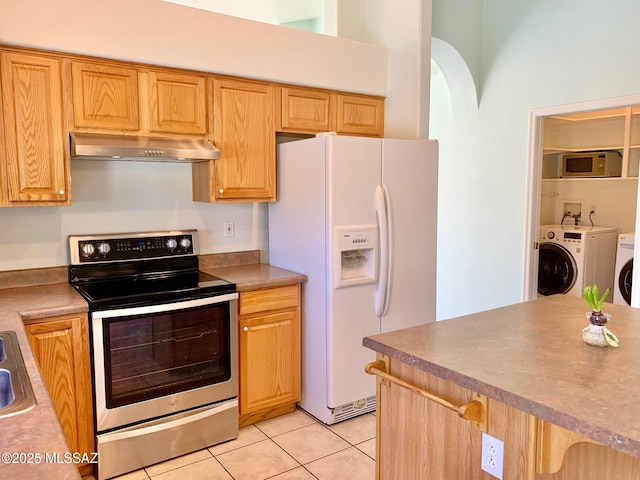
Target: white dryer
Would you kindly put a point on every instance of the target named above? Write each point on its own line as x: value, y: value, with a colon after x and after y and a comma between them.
x: 624, y: 269
x: 572, y: 256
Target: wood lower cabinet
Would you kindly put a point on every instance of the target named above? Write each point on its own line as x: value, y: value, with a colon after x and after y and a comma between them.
x: 34, y: 158
x: 360, y: 115
x: 61, y: 348
x: 419, y: 438
x: 269, y: 338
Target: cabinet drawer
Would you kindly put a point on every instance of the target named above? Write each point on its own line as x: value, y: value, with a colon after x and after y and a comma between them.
x: 262, y: 300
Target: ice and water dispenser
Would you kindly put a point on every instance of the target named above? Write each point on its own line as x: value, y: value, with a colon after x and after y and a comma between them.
x: 355, y: 250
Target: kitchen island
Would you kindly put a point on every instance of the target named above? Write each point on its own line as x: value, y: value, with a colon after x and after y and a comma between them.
x: 522, y: 374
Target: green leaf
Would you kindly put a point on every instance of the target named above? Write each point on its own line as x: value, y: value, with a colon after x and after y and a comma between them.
x: 591, y: 295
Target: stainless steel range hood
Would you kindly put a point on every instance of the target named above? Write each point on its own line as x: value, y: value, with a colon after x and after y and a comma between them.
x: 89, y: 146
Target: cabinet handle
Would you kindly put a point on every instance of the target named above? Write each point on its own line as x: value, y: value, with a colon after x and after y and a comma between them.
x: 246, y: 329
x: 60, y: 192
x: 221, y: 190
x: 472, y: 411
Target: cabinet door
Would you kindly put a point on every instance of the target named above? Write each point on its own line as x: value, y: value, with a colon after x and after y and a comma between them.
x: 35, y: 164
x: 244, y: 131
x: 177, y: 103
x: 304, y: 110
x: 360, y: 115
x: 61, y: 348
x: 105, y: 97
x: 270, y: 358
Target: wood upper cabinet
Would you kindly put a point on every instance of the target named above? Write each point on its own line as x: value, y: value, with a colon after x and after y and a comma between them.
x: 111, y: 98
x: 105, y: 97
x: 244, y: 131
x: 60, y: 345
x: 34, y: 167
x: 360, y: 115
x: 177, y: 103
x: 304, y: 110
x: 308, y: 110
x: 269, y: 323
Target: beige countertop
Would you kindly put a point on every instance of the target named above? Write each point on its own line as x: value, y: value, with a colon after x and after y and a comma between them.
x: 531, y: 356
x: 42, y: 301
x: 258, y: 275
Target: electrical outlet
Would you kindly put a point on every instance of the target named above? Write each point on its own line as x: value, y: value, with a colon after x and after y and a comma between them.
x: 593, y: 210
x: 492, y: 455
x: 229, y: 229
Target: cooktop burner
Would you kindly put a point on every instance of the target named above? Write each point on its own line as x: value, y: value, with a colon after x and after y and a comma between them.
x: 130, y: 270
x: 124, y: 293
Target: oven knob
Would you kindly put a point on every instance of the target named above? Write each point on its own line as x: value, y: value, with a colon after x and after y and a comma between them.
x: 104, y: 248
x: 87, y: 249
x: 185, y: 242
x: 172, y: 243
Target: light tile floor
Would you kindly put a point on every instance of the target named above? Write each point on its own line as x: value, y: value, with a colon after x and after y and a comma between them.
x: 291, y: 447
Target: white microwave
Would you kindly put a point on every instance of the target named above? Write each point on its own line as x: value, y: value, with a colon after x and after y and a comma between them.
x: 592, y: 164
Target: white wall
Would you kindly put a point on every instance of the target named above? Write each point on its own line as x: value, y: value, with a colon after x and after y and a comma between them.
x: 531, y: 57
x: 615, y: 200
x: 121, y: 196
x: 111, y: 197
x: 154, y: 31
x: 404, y: 27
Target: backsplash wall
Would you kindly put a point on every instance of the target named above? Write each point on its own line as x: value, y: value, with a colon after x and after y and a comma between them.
x: 615, y: 200
x: 113, y: 197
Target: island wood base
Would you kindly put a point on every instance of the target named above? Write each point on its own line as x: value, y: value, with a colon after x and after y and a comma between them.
x: 418, y: 438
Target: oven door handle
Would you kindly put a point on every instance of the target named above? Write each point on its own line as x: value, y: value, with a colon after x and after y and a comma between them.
x: 165, y: 425
x: 164, y: 307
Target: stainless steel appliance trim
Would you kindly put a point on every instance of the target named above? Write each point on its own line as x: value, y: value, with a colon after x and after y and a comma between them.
x: 165, y: 423
x: 168, y: 307
x: 181, y: 433
x: 91, y: 146
x: 157, y: 407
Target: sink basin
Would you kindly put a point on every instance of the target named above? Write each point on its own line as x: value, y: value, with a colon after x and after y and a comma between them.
x: 7, y: 395
x: 16, y: 394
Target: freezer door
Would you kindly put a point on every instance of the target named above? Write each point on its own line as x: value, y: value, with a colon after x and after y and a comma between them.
x: 354, y: 171
x: 410, y: 174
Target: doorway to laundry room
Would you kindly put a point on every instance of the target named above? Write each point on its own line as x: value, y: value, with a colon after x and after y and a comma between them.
x: 583, y: 181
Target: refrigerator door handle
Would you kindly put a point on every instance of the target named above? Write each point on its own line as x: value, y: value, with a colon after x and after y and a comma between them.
x: 382, y: 211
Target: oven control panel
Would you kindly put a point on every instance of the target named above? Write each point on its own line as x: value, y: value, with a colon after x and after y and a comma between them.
x: 132, y: 246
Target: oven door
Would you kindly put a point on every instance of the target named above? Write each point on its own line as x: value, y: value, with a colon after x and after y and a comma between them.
x: 157, y: 360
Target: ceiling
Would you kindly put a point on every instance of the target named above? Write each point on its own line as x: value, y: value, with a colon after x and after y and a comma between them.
x: 275, y: 12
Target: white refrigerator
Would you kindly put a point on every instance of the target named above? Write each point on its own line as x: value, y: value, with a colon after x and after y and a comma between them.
x: 357, y: 216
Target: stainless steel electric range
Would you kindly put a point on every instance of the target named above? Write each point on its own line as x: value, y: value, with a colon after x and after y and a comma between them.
x: 163, y: 344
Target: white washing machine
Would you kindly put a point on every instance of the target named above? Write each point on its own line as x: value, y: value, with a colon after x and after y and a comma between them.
x: 624, y: 269
x: 572, y: 256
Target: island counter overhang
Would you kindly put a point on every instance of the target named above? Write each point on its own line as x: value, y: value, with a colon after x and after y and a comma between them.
x: 531, y: 356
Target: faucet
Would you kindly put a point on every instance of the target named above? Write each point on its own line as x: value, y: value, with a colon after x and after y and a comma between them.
x: 576, y: 217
